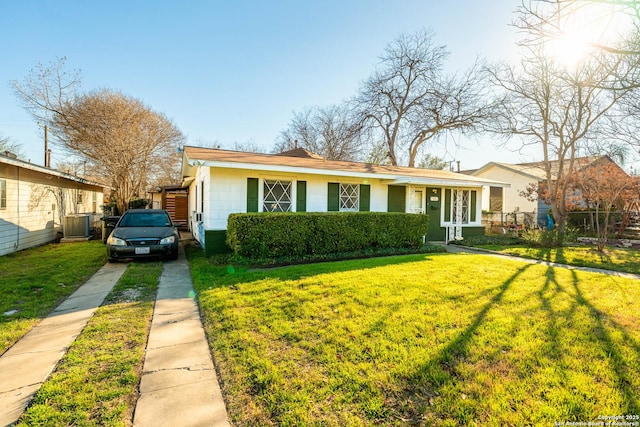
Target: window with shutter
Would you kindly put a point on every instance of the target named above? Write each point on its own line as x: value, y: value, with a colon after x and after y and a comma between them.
x: 277, y: 196
x: 349, y: 197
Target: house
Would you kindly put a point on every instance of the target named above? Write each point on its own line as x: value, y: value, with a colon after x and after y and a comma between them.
x: 521, y: 176
x: 35, y: 200
x: 222, y: 182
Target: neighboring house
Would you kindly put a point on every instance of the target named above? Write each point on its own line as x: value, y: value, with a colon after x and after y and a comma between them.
x: 223, y: 182
x: 521, y: 176
x: 34, y: 201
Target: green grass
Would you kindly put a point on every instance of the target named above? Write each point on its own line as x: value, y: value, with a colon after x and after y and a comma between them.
x: 231, y: 258
x: 437, y: 339
x: 35, y: 281
x: 96, y: 383
x: 616, y: 259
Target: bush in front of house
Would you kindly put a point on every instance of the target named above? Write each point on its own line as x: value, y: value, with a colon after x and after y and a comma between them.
x: 277, y: 235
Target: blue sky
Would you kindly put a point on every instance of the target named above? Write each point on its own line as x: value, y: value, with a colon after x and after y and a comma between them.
x: 235, y: 71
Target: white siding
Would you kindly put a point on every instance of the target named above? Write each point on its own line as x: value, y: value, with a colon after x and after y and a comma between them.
x: 33, y: 213
x: 226, y: 191
x: 513, y: 201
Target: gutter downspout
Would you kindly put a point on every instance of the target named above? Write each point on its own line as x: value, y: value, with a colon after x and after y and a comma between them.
x: 17, y: 243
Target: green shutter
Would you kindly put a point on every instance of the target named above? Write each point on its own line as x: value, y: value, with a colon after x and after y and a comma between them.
x: 301, y: 196
x: 472, y: 215
x: 252, y: 194
x: 333, y: 200
x: 396, y: 199
x: 365, y: 198
x: 447, y: 205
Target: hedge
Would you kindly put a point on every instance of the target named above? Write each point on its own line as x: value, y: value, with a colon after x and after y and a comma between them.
x: 275, y: 235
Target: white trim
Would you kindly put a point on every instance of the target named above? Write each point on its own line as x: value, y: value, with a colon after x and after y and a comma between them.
x: 393, y: 178
x: 451, y: 223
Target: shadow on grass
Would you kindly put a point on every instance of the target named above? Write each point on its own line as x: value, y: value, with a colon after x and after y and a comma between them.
x: 603, y: 333
x: 439, y: 375
x: 548, y: 255
x: 551, y: 285
x: 440, y: 371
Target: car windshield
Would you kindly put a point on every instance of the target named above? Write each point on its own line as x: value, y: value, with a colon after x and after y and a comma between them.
x: 145, y: 220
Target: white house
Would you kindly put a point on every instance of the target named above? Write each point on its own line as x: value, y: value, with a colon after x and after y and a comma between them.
x: 223, y: 182
x: 521, y: 176
x: 35, y: 200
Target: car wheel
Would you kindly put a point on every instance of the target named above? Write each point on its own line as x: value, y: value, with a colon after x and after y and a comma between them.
x: 173, y: 256
x: 113, y: 260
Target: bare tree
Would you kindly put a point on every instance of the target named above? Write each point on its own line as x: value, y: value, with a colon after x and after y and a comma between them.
x: 247, y: 147
x: 558, y: 109
x: 328, y: 131
x: 46, y: 91
x: 6, y: 144
x: 552, y: 17
x: 122, y: 140
x: 606, y: 188
x: 409, y: 100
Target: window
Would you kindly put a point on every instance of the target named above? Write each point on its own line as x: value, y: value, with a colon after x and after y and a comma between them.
x: 277, y: 196
x: 3, y: 193
x: 462, y: 206
x: 495, y: 199
x: 349, y: 197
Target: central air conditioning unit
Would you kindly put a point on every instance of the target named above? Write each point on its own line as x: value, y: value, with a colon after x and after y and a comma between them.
x: 76, y: 225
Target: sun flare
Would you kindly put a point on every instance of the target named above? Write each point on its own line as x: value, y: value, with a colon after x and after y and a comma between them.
x: 570, y: 48
x: 585, y: 28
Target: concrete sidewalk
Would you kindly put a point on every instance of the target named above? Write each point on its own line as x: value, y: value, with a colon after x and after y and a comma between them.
x: 459, y: 249
x: 28, y: 363
x: 179, y: 385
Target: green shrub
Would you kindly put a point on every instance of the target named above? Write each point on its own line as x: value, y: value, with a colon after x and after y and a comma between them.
x: 549, y: 238
x: 489, y: 239
x: 277, y: 235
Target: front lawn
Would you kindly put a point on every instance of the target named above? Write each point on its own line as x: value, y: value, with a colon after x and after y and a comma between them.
x: 616, y: 259
x: 438, y: 339
x: 34, y: 281
x: 96, y: 383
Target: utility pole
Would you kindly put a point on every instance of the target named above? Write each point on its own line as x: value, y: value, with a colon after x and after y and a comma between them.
x: 46, y: 146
